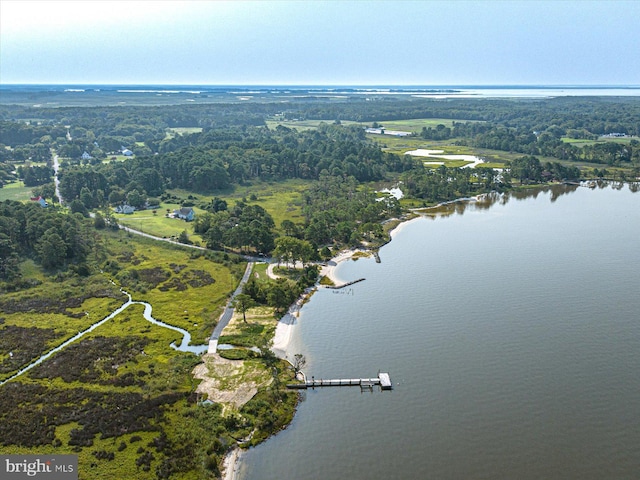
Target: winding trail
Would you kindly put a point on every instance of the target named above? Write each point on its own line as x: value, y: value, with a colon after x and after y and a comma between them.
x: 184, y: 344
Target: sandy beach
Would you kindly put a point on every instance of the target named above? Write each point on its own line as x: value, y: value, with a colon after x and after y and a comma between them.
x: 282, y: 337
x: 231, y: 465
x: 287, y: 323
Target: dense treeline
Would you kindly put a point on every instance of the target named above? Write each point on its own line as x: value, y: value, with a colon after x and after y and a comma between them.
x: 337, y: 211
x: 49, y: 237
x: 547, y: 142
x: 445, y: 184
x: 113, y: 127
x: 270, y: 155
x: 244, y: 226
x: 217, y: 160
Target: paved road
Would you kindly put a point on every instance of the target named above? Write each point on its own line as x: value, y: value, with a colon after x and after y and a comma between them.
x: 138, y: 232
x: 228, y: 311
x: 56, y: 180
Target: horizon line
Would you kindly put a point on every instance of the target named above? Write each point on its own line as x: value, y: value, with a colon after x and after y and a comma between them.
x: 325, y: 85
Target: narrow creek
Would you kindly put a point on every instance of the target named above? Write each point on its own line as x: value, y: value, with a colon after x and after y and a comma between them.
x: 148, y: 309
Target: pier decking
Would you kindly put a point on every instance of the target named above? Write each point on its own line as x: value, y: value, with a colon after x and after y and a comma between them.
x: 338, y: 287
x: 382, y: 379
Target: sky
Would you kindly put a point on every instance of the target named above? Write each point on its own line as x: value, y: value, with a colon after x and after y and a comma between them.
x: 453, y: 42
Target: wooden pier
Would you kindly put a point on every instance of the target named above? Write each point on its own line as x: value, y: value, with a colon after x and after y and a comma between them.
x: 338, y: 287
x: 383, y: 380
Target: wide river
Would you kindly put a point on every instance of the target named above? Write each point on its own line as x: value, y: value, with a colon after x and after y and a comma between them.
x: 511, y: 331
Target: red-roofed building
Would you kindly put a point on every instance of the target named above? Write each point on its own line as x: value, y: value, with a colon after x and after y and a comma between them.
x: 43, y: 203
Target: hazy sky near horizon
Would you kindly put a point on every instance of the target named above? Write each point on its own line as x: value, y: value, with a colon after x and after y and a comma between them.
x: 572, y: 42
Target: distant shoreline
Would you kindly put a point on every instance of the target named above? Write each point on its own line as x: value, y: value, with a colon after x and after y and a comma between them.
x: 51, y: 96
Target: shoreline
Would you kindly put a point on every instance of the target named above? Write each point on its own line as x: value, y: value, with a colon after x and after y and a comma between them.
x: 231, y: 464
x: 286, y: 325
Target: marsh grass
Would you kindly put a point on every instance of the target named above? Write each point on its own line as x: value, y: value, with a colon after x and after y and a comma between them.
x: 193, y: 288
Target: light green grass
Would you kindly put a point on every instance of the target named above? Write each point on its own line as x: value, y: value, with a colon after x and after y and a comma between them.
x: 580, y: 142
x: 15, y: 191
x: 282, y: 200
x: 400, y: 145
x: 301, y: 125
x: 193, y: 308
x: 411, y: 125
x: 172, y: 132
x: 260, y: 271
x: 159, y: 224
x: 416, y: 124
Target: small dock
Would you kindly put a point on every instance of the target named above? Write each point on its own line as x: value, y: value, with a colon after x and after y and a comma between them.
x: 383, y: 380
x: 338, y: 287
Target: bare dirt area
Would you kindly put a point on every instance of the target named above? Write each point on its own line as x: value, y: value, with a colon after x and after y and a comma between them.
x: 231, y: 383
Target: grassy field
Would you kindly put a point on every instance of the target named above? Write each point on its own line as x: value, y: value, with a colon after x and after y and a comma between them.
x: 159, y: 224
x: 15, y: 191
x: 282, y: 200
x: 413, y: 125
x: 172, y: 132
x: 579, y: 142
x: 416, y: 124
x: 186, y: 287
x: 121, y: 398
x: 304, y: 124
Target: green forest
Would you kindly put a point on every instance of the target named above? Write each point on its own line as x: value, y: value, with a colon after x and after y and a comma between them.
x: 292, y: 182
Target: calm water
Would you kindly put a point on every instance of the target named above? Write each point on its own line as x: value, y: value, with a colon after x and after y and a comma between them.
x: 511, y: 333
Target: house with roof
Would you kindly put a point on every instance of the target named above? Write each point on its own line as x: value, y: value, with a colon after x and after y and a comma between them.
x: 126, y: 209
x: 43, y: 203
x: 126, y: 152
x: 85, y: 156
x: 185, y: 213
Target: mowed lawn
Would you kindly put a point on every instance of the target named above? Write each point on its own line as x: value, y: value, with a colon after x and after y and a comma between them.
x: 412, y: 125
x: 159, y: 224
x: 15, y: 191
x: 581, y: 142
x: 417, y: 124
x: 282, y: 200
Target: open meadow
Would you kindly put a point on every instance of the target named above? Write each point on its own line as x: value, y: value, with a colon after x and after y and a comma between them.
x: 120, y: 396
x: 15, y: 191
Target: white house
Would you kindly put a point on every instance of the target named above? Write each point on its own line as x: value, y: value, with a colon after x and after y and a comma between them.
x: 185, y: 213
x: 127, y: 209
